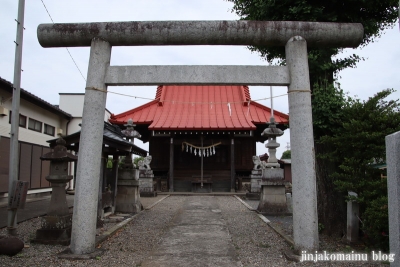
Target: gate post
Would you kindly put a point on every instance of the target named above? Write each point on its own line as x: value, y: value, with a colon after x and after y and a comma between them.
x: 89, y: 159
x: 393, y: 185
x: 305, y: 217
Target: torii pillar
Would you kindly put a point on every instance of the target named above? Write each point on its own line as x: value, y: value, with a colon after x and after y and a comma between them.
x: 304, y: 187
x: 89, y: 161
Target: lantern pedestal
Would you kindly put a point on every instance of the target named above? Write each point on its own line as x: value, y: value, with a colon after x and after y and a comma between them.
x: 56, y: 230
x: 56, y: 225
x: 128, y: 196
x: 273, y: 195
x: 146, y: 178
x: 255, y: 181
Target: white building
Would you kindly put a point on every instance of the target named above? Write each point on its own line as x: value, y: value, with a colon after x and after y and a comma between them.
x: 72, y: 103
x: 39, y: 121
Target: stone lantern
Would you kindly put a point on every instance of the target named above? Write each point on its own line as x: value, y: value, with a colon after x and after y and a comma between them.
x: 272, y: 195
x: 56, y: 225
x: 128, y: 196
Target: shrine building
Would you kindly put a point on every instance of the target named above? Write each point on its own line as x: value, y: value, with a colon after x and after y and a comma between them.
x: 201, y: 138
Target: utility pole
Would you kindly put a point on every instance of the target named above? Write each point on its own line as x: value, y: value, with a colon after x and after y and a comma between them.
x: 14, y: 157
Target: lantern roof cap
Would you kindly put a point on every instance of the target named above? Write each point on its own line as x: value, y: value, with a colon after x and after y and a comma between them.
x: 59, y: 153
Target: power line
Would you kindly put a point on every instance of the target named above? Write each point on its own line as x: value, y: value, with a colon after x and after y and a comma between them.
x: 47, y: 11
x: 184, y: 102
x: 76, y: 65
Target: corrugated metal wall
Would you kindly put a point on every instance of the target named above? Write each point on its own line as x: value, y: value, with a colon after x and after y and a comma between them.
x: 31, y: 168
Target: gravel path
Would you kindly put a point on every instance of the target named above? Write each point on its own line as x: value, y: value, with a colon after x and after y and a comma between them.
x: 128, y: 247
x: 283, y: 222
x: 255, y: 243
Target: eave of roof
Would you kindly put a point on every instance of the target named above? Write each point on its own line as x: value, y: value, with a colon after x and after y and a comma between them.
x: 217, y: 108
x: 111, y: 133
x: 8, y: 86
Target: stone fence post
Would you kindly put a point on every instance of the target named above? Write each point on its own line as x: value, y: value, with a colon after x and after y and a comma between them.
x: 393, y: 184
x: 352, y: 219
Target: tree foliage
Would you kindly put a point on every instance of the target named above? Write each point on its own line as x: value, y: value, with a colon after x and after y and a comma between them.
x: 360, y: 142
x: 136, y: 160
x: 359, y: 146
x: 286, y: 155
x: 109, y: 162
x: 327, y: 108
x: 328, y: 103
x: 121, y: 160
x: 375, y: 16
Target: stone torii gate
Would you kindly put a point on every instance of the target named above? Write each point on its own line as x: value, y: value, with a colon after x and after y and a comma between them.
x: 295, y: 36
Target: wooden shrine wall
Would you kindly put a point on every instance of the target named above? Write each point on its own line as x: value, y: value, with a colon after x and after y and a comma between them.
x: 245, y: 149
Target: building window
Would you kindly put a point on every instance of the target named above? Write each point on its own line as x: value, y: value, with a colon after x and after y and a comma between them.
x: 22, y: 120
x: 35, y: 125
x: 49, y: 129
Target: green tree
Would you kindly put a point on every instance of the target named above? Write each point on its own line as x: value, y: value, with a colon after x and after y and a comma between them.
x: 121, y: 160
x: 328, y: 110
x: 109, y: 162
x: 359, y: 147
x: 286, y: 155
x: 136, y: 160
x: 375, y: 16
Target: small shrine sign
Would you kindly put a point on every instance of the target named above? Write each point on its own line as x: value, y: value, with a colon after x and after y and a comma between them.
x: 18, y: 195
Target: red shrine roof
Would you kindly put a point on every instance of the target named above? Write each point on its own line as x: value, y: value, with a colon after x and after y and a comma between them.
x: 184, y: 107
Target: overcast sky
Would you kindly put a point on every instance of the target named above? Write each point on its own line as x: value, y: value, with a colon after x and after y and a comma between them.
x: 50, y: 71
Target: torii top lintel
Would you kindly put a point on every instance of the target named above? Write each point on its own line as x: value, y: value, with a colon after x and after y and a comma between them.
x: 143, y: 33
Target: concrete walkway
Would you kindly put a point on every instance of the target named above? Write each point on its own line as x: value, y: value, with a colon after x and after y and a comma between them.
x: 198, y: 236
